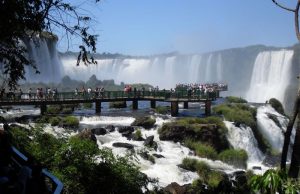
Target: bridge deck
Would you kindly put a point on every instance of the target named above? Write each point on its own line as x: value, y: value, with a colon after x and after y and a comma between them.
x: 107, y: 96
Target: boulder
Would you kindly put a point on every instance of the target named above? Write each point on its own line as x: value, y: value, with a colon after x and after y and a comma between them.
x: 147, y: 122
x: 149, y: 142
x: 175, y: 188
x: 147, y: 156
x: 110, y: 128
x: 127, y: 134
x: 123, y: 145
x: 256, y: 168
x: 126, y: 129
x: 158, y: 155
x: 272, y: 160
x: 99, y: 131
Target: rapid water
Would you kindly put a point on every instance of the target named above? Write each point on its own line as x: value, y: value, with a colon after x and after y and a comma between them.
x: 271, y: 76
x: 242, y: 138
x: 270, y: 130
x: 165, y: 169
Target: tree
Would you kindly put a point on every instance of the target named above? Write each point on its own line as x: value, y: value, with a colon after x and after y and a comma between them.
x: 295, y: 162
x: 21, y: 19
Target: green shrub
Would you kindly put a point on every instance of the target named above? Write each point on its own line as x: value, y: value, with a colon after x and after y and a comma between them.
x: 118, y: 104
x: 237, y: 158
x: 189, y: 164
x: 54, y: 121
x: 137, y: 134
x: 202, y: 150
x: 54, y: 109
x: 87, y: 105
x: 70, y: 121
x: 66, y: 110
x: 233, y: 99
x: 162, y: 109
x: 214, y: 178
x: 147, y: 122
x: 43, y: 119
x: 238, y: 113
x: 276, y: 104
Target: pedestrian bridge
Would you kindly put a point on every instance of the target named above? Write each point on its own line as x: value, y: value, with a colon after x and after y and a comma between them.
x: 174, y: 97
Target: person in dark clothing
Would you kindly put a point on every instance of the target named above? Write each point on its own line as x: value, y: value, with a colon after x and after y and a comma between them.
x: 36, y: 184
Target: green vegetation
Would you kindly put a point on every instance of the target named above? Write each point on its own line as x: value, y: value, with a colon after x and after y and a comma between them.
x: 234, y: 99
x: 202, y: 150
x: 243, y: 114
x: 118, y: 104
x: 274, y: 181
x: 162, y: 109
x: 147, y: 122
x: 274, y: 118
x: 54, y: 121
x: 60, y: 109
x: 238, y: 113
x: 87, y: 105
x: 237, y: 158
x: 210, y: 131
x: 137, y: 134
x: 70, y: 121
x: 73, y: 161
x: 276, y: 104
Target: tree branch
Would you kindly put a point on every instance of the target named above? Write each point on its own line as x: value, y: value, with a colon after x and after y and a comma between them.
x: 283, y: 7
x: 297, y: 20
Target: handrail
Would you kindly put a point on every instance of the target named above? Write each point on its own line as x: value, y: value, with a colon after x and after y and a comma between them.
x: 107, y: 95
x: 56, y: 182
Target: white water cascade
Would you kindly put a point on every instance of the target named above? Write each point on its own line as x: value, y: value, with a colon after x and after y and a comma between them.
x: 166, y: 168
x: 271, y: 76
x: 44, y: 54
x: 161, y: 71
x: 242, y: 138
x: 270, y: 130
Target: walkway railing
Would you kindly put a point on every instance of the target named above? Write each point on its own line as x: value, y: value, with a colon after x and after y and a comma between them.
x: 63, y: 96
x: 20, y: 160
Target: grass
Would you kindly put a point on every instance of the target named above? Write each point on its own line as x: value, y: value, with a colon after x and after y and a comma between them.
x: 87, y: 105
x: 54, y: 121
x: 118, y: 104
x: 234, y: 99
x: 146, y: 122
x: 237, y: 158
x: 202, y: 150
x: 162, y: 109
x: 70, y: 121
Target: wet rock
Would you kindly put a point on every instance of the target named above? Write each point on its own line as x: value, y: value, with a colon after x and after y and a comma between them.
x: 127, y: 134
x: 110, y: 128
x: 99, y: 131
x: 158, y: 155
x: 126, y: 129
x: 240, y: 177
x: 147, y: 122
x: 123, y: 145
x: 272, y: 160
x: 175, y: 188
x: 256, y: 168
x: 149, y: 142
x: 147, y: 156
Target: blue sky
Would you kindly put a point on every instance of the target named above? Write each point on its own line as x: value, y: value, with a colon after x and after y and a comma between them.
x: 146, y: 27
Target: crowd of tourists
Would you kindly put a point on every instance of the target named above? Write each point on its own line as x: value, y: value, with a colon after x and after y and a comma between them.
x: 206, y: 87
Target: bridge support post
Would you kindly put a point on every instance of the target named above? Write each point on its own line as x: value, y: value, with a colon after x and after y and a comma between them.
x: 185, y: 105
x: 174, y: 109
x: 98, y: 107
x: 135, y: 104
x: 218, y: 93
x: 43, y: 109
x: 207, y: 108
x: 153, y: 103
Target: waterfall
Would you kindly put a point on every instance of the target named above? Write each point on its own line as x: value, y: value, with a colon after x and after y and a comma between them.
x: 269, y: 129
x: 163, y: 71
x: 42, y: 51
x: 243, y: 138
x: 271, y: 76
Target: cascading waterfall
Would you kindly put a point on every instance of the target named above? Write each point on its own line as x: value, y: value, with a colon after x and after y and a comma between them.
x: 271, y: 76
x: 42, y: 51
x: 270, y: 130
x: 242, y: 138
x: 161, y: 71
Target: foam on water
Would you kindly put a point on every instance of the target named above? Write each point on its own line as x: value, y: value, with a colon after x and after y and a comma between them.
x: 106, y: 120
x: 270, y: 130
